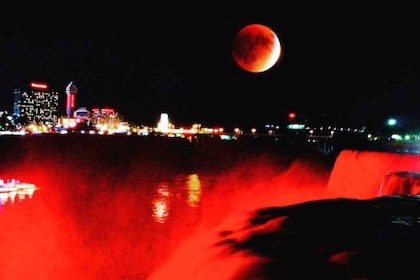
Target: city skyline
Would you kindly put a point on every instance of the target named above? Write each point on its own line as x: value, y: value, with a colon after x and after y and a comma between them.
x: 65, y: 105
x: 354, y: 65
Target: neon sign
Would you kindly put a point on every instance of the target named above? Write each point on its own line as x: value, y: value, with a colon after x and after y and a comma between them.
x: 39, y: 85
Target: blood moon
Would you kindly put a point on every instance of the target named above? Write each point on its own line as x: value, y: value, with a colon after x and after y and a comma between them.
x: 256, y: 48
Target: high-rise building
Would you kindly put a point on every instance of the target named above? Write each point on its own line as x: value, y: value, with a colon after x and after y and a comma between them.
x: 71, y: 91
x: 37, y: 103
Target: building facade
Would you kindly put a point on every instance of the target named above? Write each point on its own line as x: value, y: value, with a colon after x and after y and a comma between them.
x: 38, y: 104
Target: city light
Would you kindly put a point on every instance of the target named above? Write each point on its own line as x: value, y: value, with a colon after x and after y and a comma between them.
x: 39, y: 85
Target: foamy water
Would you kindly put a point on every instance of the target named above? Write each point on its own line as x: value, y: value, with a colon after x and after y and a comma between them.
x: 129, y: 214
x: 212, y: 252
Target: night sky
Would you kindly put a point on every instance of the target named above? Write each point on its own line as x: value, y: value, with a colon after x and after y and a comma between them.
x: 355, y: 64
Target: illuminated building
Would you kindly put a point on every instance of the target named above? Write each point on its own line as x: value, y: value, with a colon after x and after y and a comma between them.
x: 38, y: 104
x: 163, y: 125
x: 103, y: 120
x: 104, y: 116
x: 71, y: 91
x: 82, y: 113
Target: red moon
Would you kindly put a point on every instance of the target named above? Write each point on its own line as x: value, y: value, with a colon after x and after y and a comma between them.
x: 256, y: 48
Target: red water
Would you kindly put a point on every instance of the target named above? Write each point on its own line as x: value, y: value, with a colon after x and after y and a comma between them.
x: 359, y: 174
x: 356, y: 174
x: 79, y: 225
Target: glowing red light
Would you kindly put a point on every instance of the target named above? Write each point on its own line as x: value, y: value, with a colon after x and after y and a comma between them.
x: 292, y: 115
x: 107, y: 110
x: 39, y: 85
x: 70, y: 101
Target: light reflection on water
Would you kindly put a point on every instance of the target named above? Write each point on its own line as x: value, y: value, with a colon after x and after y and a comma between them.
x: 85, y: 230
x: 107, y: 208
x: 124, y: 216
x: 194, y: 190
x: 184, y: 189
x: 161, y: 203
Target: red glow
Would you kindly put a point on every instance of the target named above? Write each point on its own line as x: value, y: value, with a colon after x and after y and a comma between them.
x: 70, y: 101
x: 256, y: 48
x: 39, y: 85
x: 82, y: 226
x: 355, y: 175
x: 359, y: 174
x: 292, y: 115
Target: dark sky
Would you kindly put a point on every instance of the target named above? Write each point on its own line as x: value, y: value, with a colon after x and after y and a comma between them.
x: 348, y: 62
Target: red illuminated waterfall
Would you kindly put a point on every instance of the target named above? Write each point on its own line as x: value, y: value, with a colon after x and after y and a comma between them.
x: 356, y: 177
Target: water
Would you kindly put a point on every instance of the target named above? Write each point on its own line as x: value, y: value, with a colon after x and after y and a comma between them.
x: 356, y: 224
x: 107, y: 207
x: 130, y: 208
